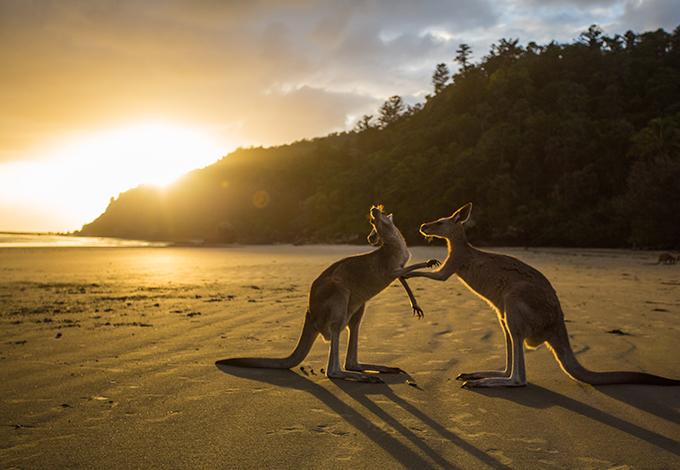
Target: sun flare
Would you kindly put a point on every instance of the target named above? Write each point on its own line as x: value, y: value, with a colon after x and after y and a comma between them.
x: 155, y: 154
x: 81, y: 176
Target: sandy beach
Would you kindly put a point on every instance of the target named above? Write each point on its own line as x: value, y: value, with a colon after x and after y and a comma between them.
x: 107, y: 361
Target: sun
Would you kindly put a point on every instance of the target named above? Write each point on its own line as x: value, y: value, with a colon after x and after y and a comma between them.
x: 73, y: 183
x: 154, y: 154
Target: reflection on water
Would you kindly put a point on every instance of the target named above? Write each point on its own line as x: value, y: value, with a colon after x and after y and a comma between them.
x: 28, y: 240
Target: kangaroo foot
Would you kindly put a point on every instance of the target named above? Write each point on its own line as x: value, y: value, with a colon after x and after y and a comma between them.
x: 467, y: 377
x: 391, y: 370
x: 364, y: 378
x: 374, y: 368
x: 483, y: 374
x: 488, y: 383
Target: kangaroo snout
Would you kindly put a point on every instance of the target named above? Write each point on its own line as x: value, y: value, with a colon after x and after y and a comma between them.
x: 425, y: 229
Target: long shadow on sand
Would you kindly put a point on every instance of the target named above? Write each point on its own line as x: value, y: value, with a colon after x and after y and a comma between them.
x: 360, y: 393
x: 534, y: 396
x: 635, y: 397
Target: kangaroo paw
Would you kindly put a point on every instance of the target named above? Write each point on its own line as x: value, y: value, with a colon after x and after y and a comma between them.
x: 433, y: 262
x: 418, y: 312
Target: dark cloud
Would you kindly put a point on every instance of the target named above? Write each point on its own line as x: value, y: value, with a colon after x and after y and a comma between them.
x: 580, y: 4
x: 649, y: 15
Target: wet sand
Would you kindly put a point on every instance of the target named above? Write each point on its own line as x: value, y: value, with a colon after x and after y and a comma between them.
x: 107, y: 361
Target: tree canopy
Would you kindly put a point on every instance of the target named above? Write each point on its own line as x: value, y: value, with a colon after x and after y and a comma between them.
x: 558, y: 144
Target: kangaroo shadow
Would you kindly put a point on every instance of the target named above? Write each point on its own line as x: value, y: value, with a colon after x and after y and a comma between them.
x: 362, y: 397
x: 360, y: 393
x: 649, y: 403
x: 534, y: 396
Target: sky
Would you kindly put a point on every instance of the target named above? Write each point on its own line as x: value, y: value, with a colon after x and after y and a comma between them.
x: 97, y: 97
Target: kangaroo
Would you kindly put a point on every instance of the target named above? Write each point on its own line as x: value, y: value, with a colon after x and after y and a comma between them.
x: 667, y: 258
x: 527, y: 306
x: 337, y: 300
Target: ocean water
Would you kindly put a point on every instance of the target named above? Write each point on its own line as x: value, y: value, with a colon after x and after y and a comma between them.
x: 36, y: 240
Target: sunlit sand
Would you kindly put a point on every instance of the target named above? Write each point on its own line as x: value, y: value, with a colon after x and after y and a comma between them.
x: 107, y: 361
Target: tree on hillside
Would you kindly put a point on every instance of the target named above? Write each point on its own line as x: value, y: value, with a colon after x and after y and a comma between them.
x: 593, y: 38
x: 507, y: 48
x: 391, y: 110
x: 503, y: 54
x: 653, y: 198
x: 440, y: 78
x: 364, y: 124
x: 674, y: 55
x: 614, y: 44
x: 463, y: 55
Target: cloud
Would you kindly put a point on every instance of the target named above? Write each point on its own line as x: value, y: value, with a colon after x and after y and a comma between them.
x: 79, y: 63
x: 649, y: 15
x: 250, y: 65
x: 583, y: 5
x: 302, y: 113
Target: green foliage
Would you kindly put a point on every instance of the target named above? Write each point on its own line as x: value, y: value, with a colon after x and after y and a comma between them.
x: 652, y: 201
x: 560, y: 144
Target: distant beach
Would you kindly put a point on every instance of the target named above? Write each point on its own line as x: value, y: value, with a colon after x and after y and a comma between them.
x: 107, y: 360
x: 46, y: 240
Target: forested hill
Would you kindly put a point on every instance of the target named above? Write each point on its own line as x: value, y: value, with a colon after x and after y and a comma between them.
x: 561, y: 144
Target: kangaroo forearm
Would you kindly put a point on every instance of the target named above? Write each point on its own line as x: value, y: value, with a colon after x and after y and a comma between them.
x: 435, y: 275
x: 414, y: 304
x: 401, y: 271
x: 408, y: 290
x: 404, y: 271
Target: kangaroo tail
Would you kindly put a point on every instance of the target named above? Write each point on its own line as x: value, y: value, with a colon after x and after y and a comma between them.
x: 304, y: 345
x: 559, y: 343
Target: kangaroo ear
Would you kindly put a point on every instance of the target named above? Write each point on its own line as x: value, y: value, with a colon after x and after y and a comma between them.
x: 462, y: 214
x: 390, y: 217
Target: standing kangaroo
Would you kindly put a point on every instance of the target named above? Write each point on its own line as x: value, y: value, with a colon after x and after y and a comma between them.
x: 337, y: 300
x: 527, y: 308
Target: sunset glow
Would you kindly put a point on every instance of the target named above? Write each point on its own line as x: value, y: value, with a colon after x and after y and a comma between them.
x: 154, y: 154
x: 79, y: 178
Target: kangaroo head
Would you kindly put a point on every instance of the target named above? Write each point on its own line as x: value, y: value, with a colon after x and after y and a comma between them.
x: 448, y: 227
x: 382, y: 225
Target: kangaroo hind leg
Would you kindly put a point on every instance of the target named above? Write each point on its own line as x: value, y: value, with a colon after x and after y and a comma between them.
x: 484, y: 374
x: 515, y: 358
x: 336, y: 324
x: 352, y: 359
